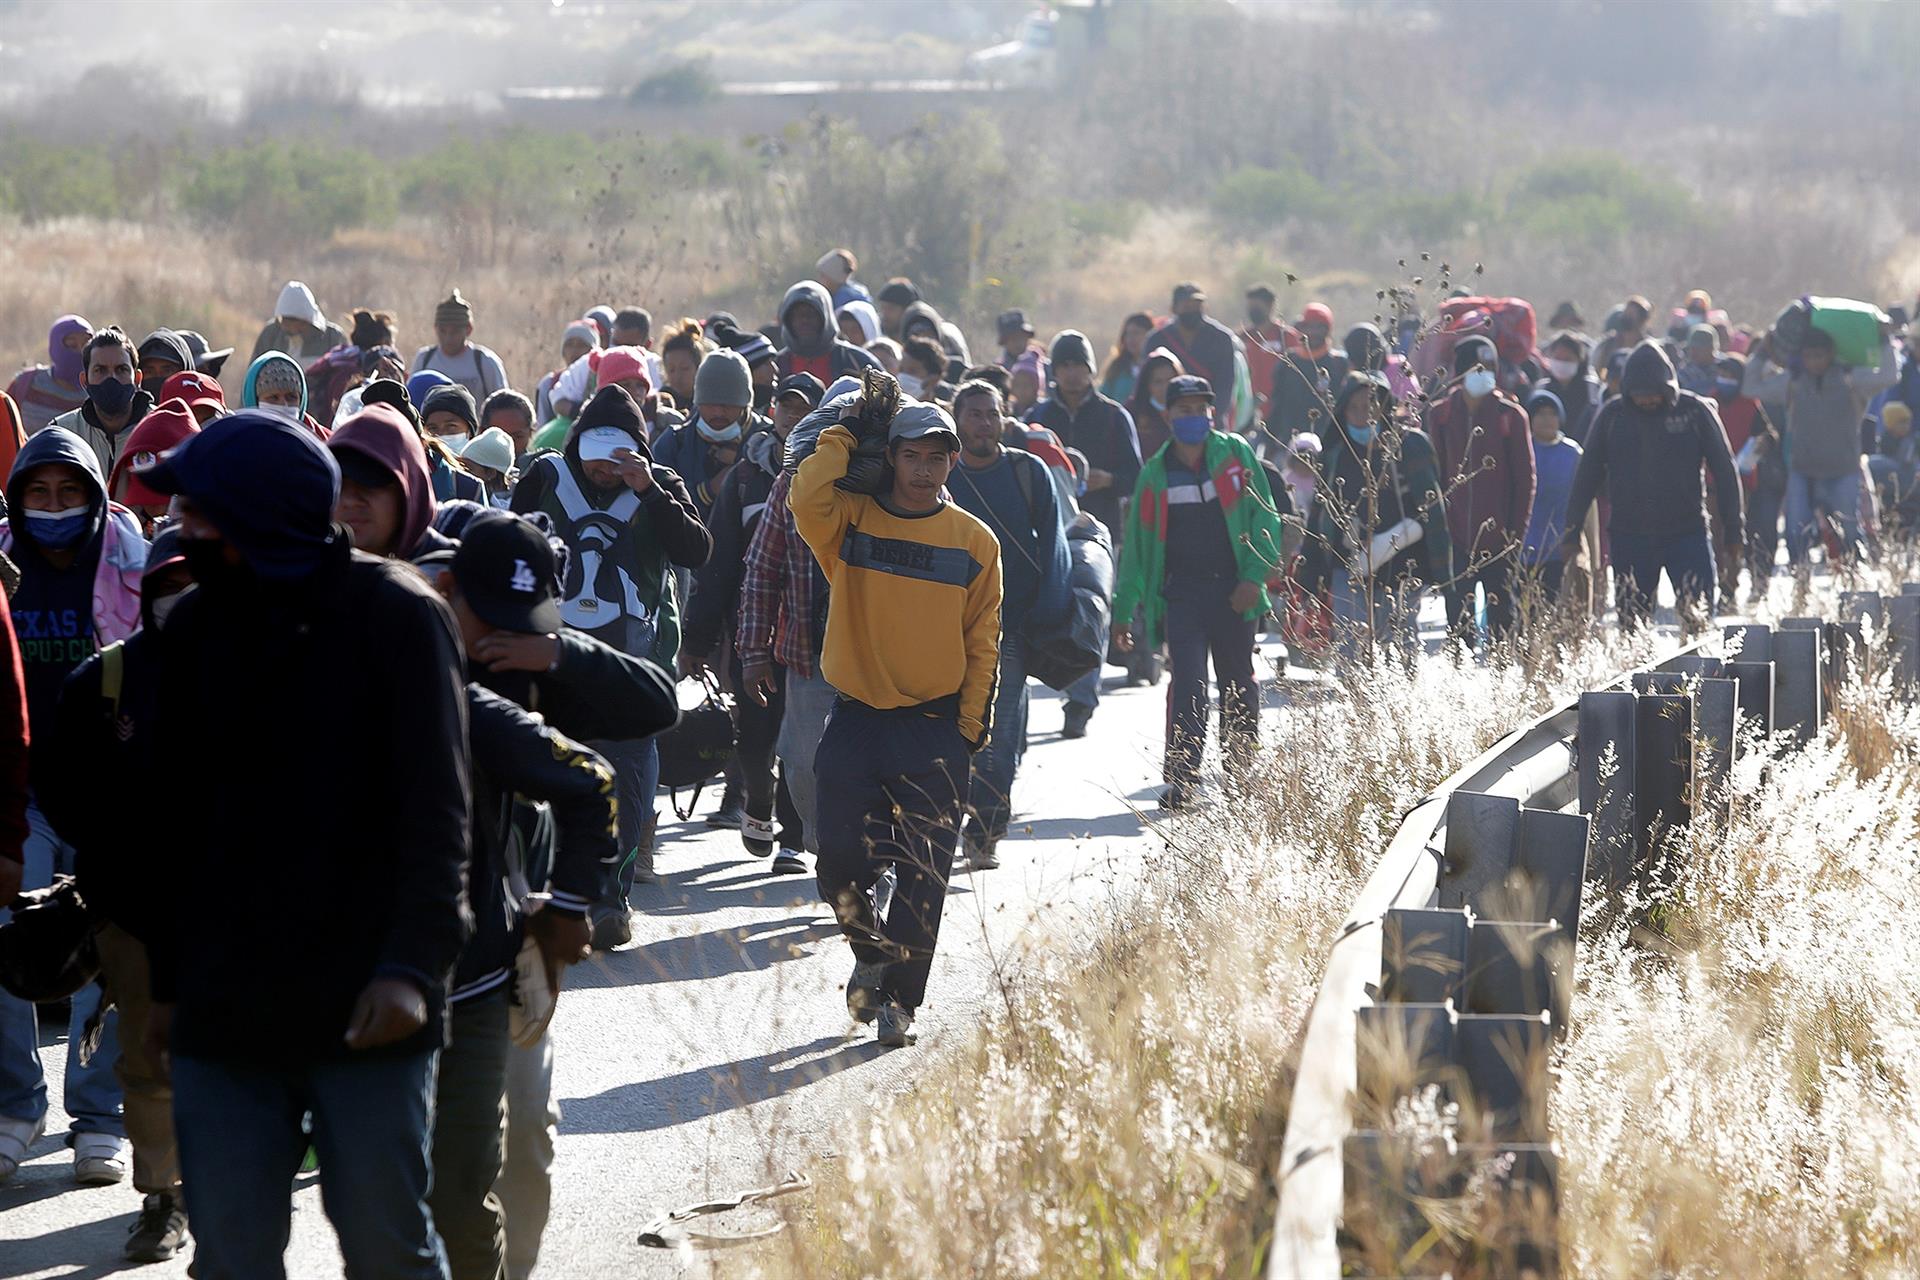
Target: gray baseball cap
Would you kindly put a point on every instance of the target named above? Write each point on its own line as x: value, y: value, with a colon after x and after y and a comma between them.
x: 917, y: 419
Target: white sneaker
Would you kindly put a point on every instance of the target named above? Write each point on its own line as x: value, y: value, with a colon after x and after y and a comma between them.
x: 16, y: 1139
x: 99, y: 1159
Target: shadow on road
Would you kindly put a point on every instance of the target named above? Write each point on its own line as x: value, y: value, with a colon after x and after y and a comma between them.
x: 648, y: 1105
x: 697, y: 956
x: 1124, y: 823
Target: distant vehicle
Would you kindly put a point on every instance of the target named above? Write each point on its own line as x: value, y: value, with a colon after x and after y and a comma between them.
x: 1028, y: 60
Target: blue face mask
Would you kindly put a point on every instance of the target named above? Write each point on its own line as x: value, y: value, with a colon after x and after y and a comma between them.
x: 1727, y: 386
x: 110, y: 396
x: 1362, y: 436
x: 60, y: 530
x: 1191, y: 429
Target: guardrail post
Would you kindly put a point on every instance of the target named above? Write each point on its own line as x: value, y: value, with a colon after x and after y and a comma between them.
x: 1399, y: 1049
x: 1716, y: 721
x: 1553, y: 862
x: 1796, y: 683
x: 1423, y: 956
x: 1663, y: 731
x: 1755, y: 697
x: 1903, y: 625
x: 1520, y: 1210
x: 1698, y: 664
x: 1519, y: 967
x: 1606, y: 737
x: 1502, y: 1081
x: 1755, y: 641
x: 1482, y: 831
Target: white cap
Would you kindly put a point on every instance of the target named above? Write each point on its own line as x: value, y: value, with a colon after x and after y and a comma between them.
x: 599, y: 444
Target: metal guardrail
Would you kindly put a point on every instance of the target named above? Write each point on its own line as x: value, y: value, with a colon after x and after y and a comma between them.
x: 1454, y: 968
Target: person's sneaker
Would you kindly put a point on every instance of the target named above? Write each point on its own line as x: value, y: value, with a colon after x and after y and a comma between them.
x: 863, y: 991
x: 609, y: 927
x: 99, y: 1159
x: 896, y: 1026
x: 726, y: 817
x: 788, y: 862
x: 984, y: 855
x: 159, y: 1232
x: 757, y: 835
x: 1075, y: 725
x: 16, y: 1140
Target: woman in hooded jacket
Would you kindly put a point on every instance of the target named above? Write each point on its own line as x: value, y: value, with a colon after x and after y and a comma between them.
x: 1377, y: 533
x: 386, y: 486
x: 1149, y: 404
x: 276, y: 384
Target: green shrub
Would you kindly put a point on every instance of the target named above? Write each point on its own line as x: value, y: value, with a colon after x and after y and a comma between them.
x: 38, y: 181
x: 1254, y: 199
x: 280, y: 192
x: 679, y: 84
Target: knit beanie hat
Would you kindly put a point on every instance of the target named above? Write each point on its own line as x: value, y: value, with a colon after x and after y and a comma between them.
x: 455, y: 310
x: 1070, y: 346
x: 1473, y: 351
x: 723, y: 379
x: 279, y: 375
x: 455, y: 399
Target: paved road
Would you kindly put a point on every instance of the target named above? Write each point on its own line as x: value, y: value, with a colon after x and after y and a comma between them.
x: 715, y: 1053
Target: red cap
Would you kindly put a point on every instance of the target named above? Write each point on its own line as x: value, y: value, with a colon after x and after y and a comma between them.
x: 1317, y: 311
x: 617, y: 364
x: 199, y: 390
x: 165, y: 426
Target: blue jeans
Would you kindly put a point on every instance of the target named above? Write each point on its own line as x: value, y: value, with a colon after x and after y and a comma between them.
x: 1392, y: 619
x: 802, y: 721
x: 636, y: 777
x: 92, y: 1094
x: 1838, y: 497
x: 1639, y: 559
x: 241, y: 1145
x: 998, y: 761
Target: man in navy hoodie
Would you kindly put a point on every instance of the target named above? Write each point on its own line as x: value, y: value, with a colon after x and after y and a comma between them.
x: 313, y: 706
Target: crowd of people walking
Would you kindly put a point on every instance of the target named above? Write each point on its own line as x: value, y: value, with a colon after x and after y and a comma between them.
x: 380, y: 655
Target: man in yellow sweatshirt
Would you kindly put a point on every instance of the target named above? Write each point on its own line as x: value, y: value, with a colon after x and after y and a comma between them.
x: 912, y: 648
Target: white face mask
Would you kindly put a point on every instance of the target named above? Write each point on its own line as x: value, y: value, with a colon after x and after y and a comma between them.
x: 289, y: 413
x: 1478, y: 382
x: 1562, y: 369
x: 454, y: 440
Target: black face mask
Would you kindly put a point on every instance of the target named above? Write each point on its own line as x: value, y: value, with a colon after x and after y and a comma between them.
x: 1190, y: 319
x: 207, y: 562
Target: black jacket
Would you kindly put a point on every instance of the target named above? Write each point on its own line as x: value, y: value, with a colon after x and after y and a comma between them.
x: 1102, y: 430
x: 515, y: 753
x: 594, y: 691
x: 1650, y: 461
x: 315, y: 784
x: 743, y: 495
x: 94, y: 737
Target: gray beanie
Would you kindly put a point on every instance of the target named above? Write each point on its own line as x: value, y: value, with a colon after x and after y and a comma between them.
x: 1071, y: 347
x: 723, y: 379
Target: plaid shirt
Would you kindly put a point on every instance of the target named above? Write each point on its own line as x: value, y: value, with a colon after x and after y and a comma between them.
x: 784, y: 591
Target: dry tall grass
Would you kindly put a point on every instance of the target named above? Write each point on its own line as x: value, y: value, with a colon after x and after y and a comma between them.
x: 1750, y: 1106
